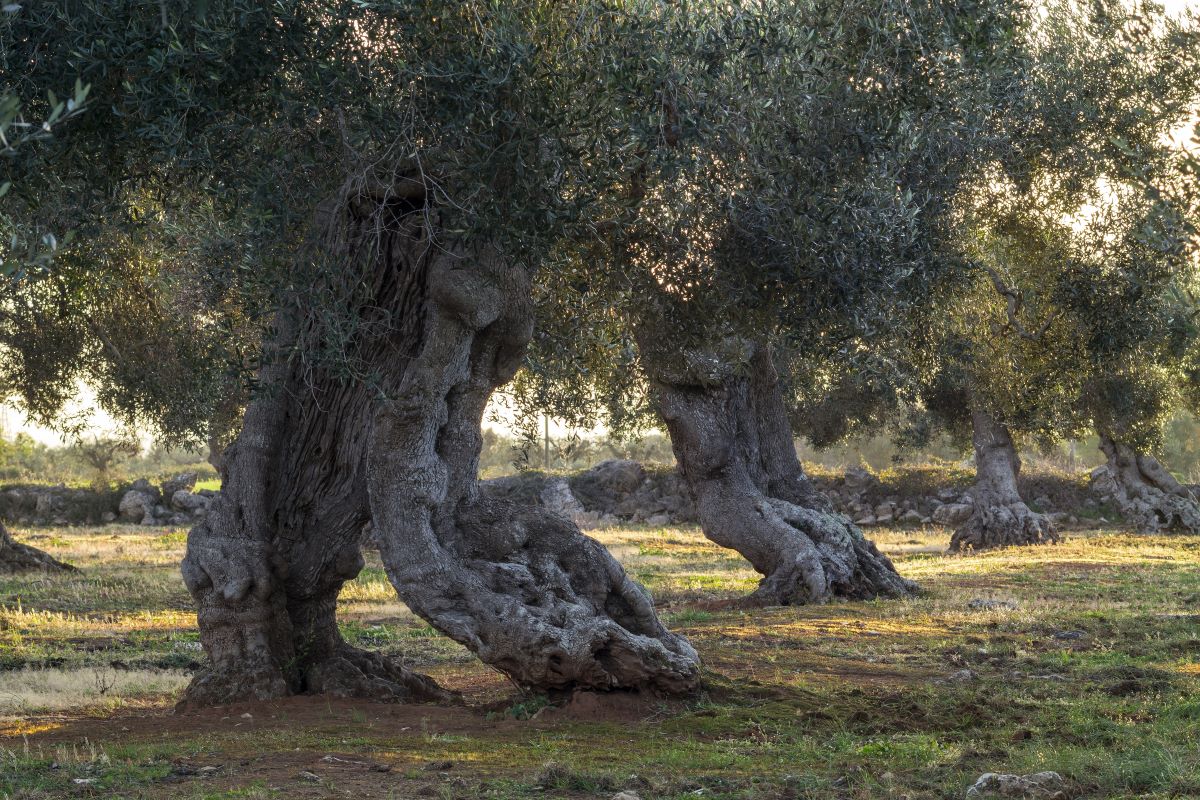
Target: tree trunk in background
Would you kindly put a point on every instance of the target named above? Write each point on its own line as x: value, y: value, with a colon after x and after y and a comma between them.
x: 524, y: 589
x: 1146, y: 493
x: 733, y: 442
x: 17, y: 557
x: 1000, y: 517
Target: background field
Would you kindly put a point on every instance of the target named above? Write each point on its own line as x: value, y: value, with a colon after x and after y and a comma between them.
x: 1082, y: 658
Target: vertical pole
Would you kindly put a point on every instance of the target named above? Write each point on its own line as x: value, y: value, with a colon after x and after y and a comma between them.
x: 1071, y: 457
x: 545, y: 442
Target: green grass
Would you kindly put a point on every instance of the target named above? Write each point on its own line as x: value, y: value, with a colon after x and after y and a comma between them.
x: 1095, y: 674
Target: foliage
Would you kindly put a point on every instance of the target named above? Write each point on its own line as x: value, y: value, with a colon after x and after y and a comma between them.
x: 1082, y: 242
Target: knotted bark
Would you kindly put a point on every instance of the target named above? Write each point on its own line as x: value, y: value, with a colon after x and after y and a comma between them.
x: 267, y: 563
x: 1147, y: 494
x: 524, y: 589
x: 16, y: 557
x: 733, y: 442
x: 1000, y: 517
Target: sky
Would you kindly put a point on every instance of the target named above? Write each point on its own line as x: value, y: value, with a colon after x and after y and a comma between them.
x: 13, y: 421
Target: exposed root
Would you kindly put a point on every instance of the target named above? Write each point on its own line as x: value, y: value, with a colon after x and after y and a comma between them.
x: 351, y: 672
x: 821, y: 555
x: 16, y: 557
x: 994, y: 526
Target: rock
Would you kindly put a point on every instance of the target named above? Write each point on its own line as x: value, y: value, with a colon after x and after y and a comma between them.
x: 947, y: 495
x: 1038, y: 785
x: 609, y: 487
x: 1043, y: 503
x: 185, y: 481
x: 1101, y: 482
x: 184, y: 500
x: 146, y: 487
x: 953, y: 513
x: 658, y: 520
x: 108, y: 516
x: 136, y: 506
x: 1069, y: 636
x: 885, y: 510
x: 857, y: 479
x: 1059, y: 517
x: 984, y: 604
x: 557, y: 497
x: 311, y: 777
x: 866, y: 521
x: 912, y: 517
x: 627, y: 795
x: 961, y: 676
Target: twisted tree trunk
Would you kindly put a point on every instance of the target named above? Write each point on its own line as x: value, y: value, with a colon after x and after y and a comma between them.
x: 525, y: 590
x: 1000, y: 517
x: 522, y: 588
x: 733, y: 442
x: 17, y: 557
x: 1147, y: 494
x: 266, y: 564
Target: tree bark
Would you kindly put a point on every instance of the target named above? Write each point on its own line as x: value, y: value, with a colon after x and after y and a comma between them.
x: 1147, y: 494
x: 17, y: 557
x: 732, y: 439
x: 1000, y: 517
x: 521, y: 587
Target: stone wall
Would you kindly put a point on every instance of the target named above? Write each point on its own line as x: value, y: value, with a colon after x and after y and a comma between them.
x: 610, y: 493
x: 626, y: 492
x: 174, y: 502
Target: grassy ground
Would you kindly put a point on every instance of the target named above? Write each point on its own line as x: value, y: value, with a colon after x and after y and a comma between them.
x: 1087, y: 662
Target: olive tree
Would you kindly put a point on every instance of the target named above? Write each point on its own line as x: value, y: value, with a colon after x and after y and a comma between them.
x: 371, y: 187
x: 805, y: 239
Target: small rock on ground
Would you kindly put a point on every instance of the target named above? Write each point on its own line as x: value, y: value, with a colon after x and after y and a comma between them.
x: 1039, y: 785
x: 983, y: 604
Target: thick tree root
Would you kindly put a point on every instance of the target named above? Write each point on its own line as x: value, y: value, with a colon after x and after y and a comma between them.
x: 819, y: 555
x: 351, y: 672
x: 16, y: 557
x: 1149, y: 497
x: 544, y: 604
x: 224, y: 686
x: 994, y: 526
x: 1159, y: 512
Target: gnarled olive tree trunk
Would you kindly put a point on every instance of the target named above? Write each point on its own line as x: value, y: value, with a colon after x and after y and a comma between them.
x: 525, y: 590
x: 522, y: 588
x: 733, y: 442
x: 17, y: 557
x: 266, y: 564
x: 1000, y: 517
x: 1147, y: 494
